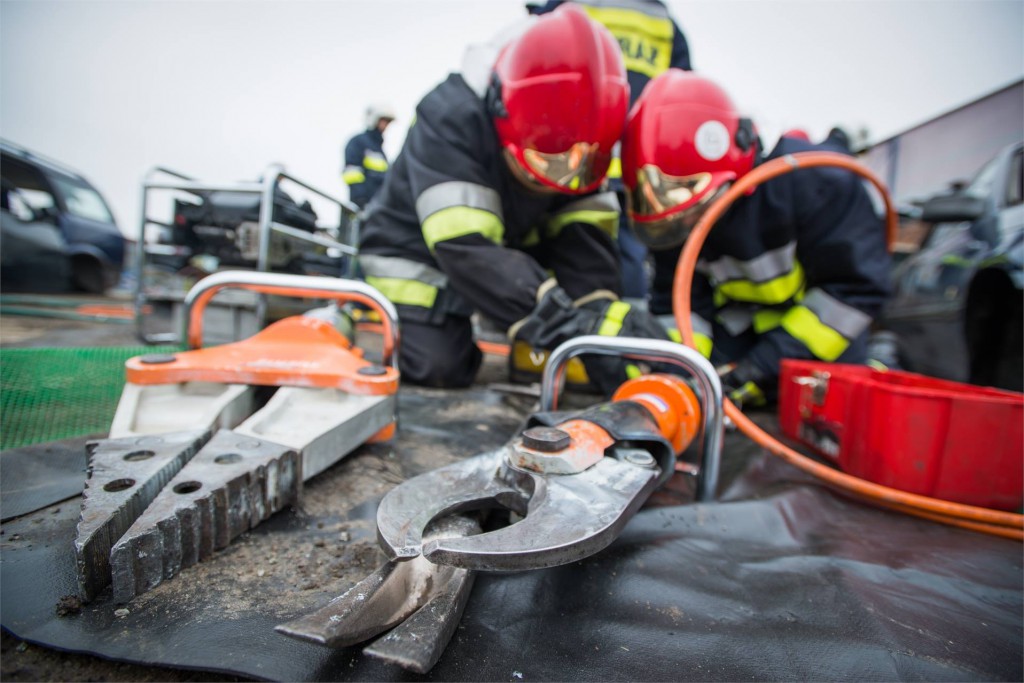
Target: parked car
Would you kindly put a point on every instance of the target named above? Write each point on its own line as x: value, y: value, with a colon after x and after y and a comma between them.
x: 958, y: 302
x: 56, y: 231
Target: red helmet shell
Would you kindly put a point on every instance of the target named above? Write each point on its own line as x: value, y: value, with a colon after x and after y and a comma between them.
x: 684, y: 124
x: 563, y: 91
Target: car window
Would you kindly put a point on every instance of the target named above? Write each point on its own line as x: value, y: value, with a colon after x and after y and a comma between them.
x: 981, y: 185
x: 17, y: 203
x: 82, y: 201
x: 26, y: 186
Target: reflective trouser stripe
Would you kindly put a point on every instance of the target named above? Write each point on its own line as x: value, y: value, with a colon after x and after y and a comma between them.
x: 823, y: 341
x: 457, y: 221
x: 613, y: 318
x: 406, y: 292
x: 353, y: 176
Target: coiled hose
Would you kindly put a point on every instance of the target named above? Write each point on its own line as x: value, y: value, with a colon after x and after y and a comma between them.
x: 994, y: 522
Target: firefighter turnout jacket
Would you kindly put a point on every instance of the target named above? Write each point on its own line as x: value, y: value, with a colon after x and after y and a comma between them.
x: 452, y: 230
x: 797, y: 269
x: 365, y: 166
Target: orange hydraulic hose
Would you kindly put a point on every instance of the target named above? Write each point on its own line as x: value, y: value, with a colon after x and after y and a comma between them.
x: 1006, y: 524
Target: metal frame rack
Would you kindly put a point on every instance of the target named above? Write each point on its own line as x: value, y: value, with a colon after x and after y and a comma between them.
x: 344, y: 239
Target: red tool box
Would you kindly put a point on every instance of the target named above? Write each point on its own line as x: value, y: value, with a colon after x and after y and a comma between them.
x: 919, y: 434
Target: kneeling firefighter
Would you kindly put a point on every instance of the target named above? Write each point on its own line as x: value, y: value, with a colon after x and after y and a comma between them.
x: 797, y: 268
x: 495, y: 205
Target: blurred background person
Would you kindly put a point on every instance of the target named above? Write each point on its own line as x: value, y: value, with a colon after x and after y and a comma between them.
x: 365, y: 165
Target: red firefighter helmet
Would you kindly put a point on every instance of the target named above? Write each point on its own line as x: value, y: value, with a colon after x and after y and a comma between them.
x: 685, y: 143
x: 559, y: 97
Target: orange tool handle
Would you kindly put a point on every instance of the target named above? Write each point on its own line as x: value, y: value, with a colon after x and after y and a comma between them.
x: 296, y: 286
x: 671, y: 402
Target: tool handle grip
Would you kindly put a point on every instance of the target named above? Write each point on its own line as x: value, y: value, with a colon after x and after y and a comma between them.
x: 657, y: 351
x: 296, y: 286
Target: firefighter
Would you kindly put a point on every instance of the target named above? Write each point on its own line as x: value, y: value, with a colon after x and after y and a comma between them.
x: 651, y: 42
x: 798, y: 268
x: 495, y: 205
x: 366, y: 166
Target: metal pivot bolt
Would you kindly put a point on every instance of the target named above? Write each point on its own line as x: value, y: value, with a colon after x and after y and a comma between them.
x: 546, y: 439
x: 158, y: 358
x: 638, y: 457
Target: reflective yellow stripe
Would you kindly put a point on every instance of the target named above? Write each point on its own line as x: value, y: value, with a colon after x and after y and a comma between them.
x: 613, y: 317
x: 605, y: 221
x: 824, y: 342
x: 675, y: 336
x: 529, y: 359
x: 375, y: 164
x: 407, y: 292
x: 456, y: 221
x: 748, y: 395
x: 633, y: 371
x: 703, y: 344
x: 353, y: 177
x: 774, y: 291
x: 615, y: 168
x: 767, y: 320
x: 646, y: 41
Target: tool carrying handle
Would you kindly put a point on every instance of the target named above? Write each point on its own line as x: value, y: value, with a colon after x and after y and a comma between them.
x: 655, y: 351
x: 295, y: 286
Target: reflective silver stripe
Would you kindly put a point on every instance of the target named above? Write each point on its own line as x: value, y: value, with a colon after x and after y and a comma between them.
x: 357, y: 169
x: 735, y: 318
x: 458, y: 193
x: 844, y: 319
x: 767, y: 266
x: 403, y: 269
x: 651, y: 9
x: 603, y: 201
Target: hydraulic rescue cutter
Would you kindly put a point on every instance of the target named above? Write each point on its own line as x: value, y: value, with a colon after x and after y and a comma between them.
x: 573, y: 481
x: 189, y: 465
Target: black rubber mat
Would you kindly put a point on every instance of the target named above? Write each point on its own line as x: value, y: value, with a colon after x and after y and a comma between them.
x: 34, y: 477
x: 778, y: 580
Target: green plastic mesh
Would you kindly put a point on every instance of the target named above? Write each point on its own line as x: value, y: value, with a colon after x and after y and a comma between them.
x: 48, y: 394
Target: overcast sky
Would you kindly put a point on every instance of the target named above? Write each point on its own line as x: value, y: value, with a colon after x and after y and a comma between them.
x: 220, y: 90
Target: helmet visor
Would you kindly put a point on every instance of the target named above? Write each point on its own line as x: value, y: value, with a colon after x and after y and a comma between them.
x: 665, y: 209
x: 657, y: 193
x: 576, y: 170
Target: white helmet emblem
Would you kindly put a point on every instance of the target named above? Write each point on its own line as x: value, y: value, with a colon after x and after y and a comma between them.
x: 712, y: 140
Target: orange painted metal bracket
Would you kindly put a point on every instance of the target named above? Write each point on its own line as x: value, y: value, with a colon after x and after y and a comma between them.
x: 296, y: 351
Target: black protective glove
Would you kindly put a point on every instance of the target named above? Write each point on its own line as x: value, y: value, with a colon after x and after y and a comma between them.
x: 743, y: 384
x: 557, y: 319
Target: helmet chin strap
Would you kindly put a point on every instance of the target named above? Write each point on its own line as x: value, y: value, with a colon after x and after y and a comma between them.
x: 492, y: 98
